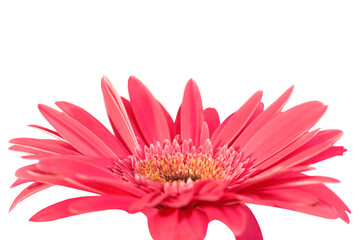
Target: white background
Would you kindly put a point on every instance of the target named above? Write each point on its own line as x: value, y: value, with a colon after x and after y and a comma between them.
x: 59, y: 51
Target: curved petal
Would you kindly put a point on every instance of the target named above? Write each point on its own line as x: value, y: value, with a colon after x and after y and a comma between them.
x: 34, y: 151
x: 177, y: 124
x: 204, y: 134
x: 265, y: 163
x: 235, y: 125
x: 177, y: 224
x: 87, y: 120
x: 149, y: 113
x: 263, y: 119
x: 80, y: 205
x: 78, y: 135
x: 28, y: 191
x: 133, y: 121
x: 191, y: 113
x: 171, y: 124
x: 211, y: 117
x: 19, y: 181
x: 238, y: 217
x: 46, y: 145
x: 317, y: 200
x: 283, y: 130
x: 118, y: 116
x: 319, y: 143
x: 326, y: 154
x: 79, y: 172
x: 46, y: 130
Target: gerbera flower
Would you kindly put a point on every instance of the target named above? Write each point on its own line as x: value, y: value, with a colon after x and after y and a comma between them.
x: 185, y: 173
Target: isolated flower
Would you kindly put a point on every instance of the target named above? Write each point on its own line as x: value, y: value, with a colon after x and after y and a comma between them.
x: 186, y: 173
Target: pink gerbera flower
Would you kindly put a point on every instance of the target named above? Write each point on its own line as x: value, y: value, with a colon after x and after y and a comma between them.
x: 185, y: 173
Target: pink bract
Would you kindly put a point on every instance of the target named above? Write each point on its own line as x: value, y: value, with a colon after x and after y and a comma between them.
x: 185, y: 173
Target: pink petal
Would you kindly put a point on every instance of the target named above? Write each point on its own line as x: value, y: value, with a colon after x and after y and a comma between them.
x: 152, y: 199
x: 31, y: 150
x: 177, y: 124
x: 326, y: 154
x: 290, y: 179
x: 19, y: 181
x: 191, y: 113
x: 72, y: 166
x: 211, y: 117
x: 237, y: 217
x: 33, y: 174
x: 204, y: 134
x: 46, y: 145
x: 265, y: 163
x: 263, y: 119
x: 78, y: 135
x: 169, y: 119
x: 80, y: 205
x: 133, y: 121
x: 208, y: 190
x: 75, y: 172
x: 118, y: 116
x: 220, y: 127
x: 315, y: 199
x: 256, y: 113
x: 322, y: 141
x: 149, y: 113
x: 49, y: 131
x: 28, y: 191
x: 177, y: 224
x: 283, y: 130
x: 94, y: 126
x: 232, y: 129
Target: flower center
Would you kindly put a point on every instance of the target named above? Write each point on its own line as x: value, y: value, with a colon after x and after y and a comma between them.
x: 179, y: 167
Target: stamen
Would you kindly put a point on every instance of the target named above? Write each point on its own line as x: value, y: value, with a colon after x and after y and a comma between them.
x: 179, y: 167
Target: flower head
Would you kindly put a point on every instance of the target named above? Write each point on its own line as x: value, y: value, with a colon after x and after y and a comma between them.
x: 185, y: 173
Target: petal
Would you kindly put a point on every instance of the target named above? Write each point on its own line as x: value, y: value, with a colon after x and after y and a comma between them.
x: 19, y: 181
x: 283, y: 130
x: 191, y: 113
x: 133, y: 121
x: 152, y: 199
x: 177, y: 126
x: 32, y: 150
x: 169, y: 119
x: 204, y: 134
x: 31, y: 173
x: 321, y: 142
x: 82, y: 173
x: 265, y: 163
x: 237, y: 217
x: 94, y: 126
x: 232, y: 129
x: 177, y: 224
x: 72, y: 166
x: 263, y: 119
x: 75, y: 133
x: 256, y: 113
x: 220, y: 127
x: 28, y: 191
x: 317, y: 200
x: 326, y: 154
x: 211, y: 117
x: 208, y: 190
x: 80, y: 205
x: 118, y: 116
x: 46, y: 145
x: 49, y: 131
x: 148, y: 111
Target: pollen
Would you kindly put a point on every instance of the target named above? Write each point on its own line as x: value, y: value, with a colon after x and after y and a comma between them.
x: 180, y: 167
